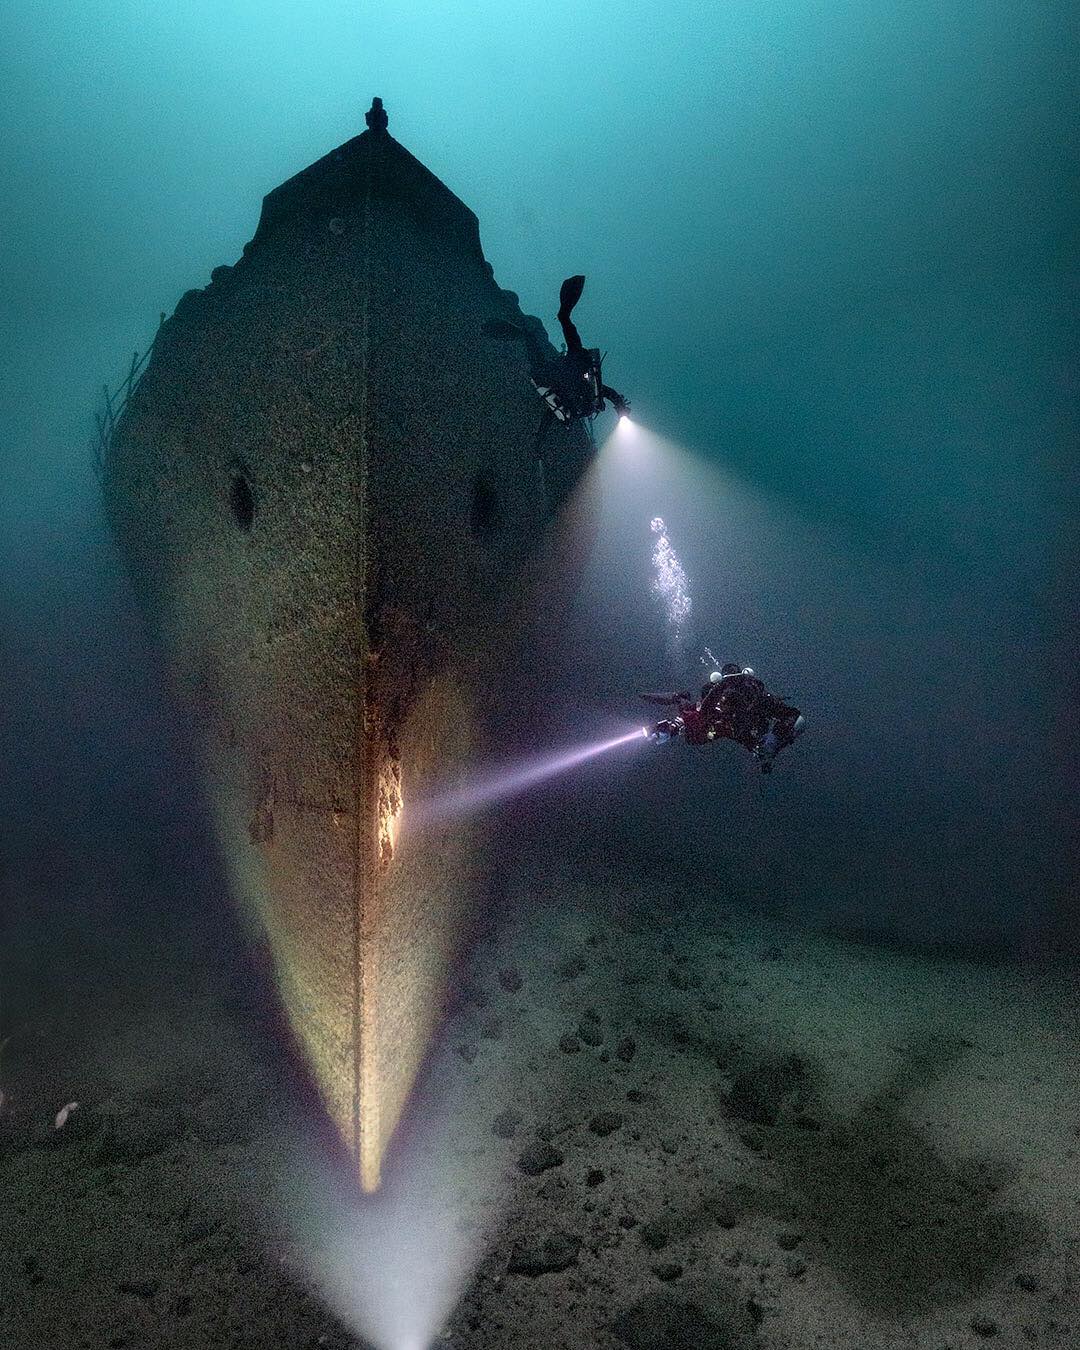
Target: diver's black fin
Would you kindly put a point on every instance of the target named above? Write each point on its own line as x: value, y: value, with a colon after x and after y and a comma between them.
x: 569, y: 295
x: 502, y: 329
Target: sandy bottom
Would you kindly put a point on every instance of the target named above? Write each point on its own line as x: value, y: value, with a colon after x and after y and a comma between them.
x: 651, y: 1123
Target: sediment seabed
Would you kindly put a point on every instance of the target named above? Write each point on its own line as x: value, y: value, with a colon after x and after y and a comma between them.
x: 706, y: 1131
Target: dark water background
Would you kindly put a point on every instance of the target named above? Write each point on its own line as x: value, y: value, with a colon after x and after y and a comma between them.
x: 830, y: 252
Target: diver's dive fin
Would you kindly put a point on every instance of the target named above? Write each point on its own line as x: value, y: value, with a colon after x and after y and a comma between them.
x: 502, y: 329
x: 569, y: 295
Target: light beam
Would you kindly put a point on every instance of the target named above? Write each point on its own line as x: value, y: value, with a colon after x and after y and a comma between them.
x: 511, y: 780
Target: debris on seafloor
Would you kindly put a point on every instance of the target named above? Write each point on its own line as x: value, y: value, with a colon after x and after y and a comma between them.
x: 63, y: 1114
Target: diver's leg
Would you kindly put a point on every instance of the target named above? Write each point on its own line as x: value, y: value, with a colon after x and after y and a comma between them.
x: 571, y: 334
x: 569, y: 295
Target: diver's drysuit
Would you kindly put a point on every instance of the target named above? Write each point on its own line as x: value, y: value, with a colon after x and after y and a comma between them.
x: 734, y: 706
x: 571, y: 384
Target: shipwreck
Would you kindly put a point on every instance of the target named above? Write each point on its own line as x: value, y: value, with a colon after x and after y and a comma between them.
x: 326, y: 488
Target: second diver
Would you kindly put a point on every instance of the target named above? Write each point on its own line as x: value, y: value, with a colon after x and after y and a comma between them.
x: 734, y: 706
x: 571, y: 382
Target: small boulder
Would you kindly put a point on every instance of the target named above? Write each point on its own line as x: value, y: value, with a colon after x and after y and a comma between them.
x: 590, y: 1033
x: 138, y: 1288
x: 558, y: 1123
x: 557, y: 1251
x: 725, y: 1213
x: 539, y: 1156
x: 505, y: 1124
x: 662, y: 1322
x: 758, y: 1094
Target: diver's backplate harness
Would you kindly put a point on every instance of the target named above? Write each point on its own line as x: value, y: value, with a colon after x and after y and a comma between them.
x: 571, y: 383
x: 579, y: 397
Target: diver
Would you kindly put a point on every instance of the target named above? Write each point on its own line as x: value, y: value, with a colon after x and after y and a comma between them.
x: 571, y: 383
x: 733, y: 706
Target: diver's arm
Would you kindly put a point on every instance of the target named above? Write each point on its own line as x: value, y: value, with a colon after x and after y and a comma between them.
x: 666, y: 700
x: 620, y: 404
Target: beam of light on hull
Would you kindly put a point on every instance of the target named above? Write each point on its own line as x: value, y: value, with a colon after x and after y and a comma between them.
x: 512, y: 780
